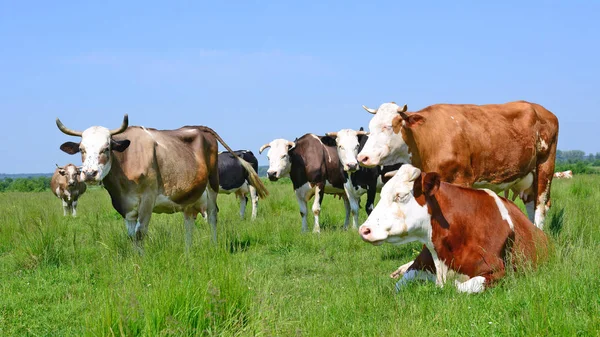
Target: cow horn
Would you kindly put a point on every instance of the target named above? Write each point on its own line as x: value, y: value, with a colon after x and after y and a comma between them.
x: 66, y: 130
x: 291, y: 145
x: 59, y: 167
x: 122, y: 128
x: 331, y: 134
x: 402, y: 111
x: 262, y: 148
x: 373, y: 111
x: 362, y: 133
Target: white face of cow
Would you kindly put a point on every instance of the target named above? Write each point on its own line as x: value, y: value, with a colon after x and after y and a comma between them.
x: 347, y: 148
x: 71, y: 173
x: 279, y: 159
x: 384, y: 147
x: 398, y: 217
x: 95, y: 147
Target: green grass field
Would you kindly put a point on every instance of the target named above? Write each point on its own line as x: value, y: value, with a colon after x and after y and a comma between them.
x: 81, y: 277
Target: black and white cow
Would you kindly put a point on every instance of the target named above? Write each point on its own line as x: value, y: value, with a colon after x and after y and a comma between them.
x: 364, y: 180
x: 233, y: 178
x: 313, y: 164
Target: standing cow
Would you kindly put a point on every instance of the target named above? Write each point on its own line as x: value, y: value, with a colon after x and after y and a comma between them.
x: 314, y: 167
x: 162, y: 171
x: 66, y: 186
x: 496, y: 146
x: 471, y: 232
x: 234, y: 178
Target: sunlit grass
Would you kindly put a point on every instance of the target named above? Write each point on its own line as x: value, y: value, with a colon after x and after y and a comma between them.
x: 62, y: 276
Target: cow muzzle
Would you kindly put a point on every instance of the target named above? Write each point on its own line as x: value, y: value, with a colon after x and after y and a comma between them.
x: 366, y: 233
x: 272, y: 176
x: 90, y: 176
x: 351, y: 167
x: 366, y: 161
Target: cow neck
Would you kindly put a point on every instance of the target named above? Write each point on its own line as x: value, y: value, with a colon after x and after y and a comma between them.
x: 116, y: 184
x: 409, y: 139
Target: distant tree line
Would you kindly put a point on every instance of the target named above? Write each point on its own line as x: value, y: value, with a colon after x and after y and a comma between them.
x: 575, y: 160
x: 31, y: 184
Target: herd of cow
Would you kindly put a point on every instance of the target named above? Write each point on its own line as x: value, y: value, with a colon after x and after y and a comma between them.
x: 438, y: 171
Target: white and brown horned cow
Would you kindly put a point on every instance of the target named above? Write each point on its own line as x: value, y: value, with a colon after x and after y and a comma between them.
x: 147, y: 170
x: 65, y: 184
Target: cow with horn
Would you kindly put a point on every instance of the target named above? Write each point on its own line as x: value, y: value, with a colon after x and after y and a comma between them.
x: 147, y: 170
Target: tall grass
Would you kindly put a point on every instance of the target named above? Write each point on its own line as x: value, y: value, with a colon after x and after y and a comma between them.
x: 63, y: 276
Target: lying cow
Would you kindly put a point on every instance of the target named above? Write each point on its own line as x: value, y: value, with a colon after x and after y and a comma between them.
x: 149, y: 171
x: 364, y: 180
x: 66, y: 186
x: 564, y: 175
x: 468, y: 231
x: 496, y: 146
x: 234, y: 178
x: 314, y: 167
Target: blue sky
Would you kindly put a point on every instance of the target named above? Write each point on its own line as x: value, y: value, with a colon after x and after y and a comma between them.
x: 256, y: 70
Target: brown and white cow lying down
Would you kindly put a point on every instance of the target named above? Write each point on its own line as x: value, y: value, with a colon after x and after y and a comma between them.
x: 502, y: 147
x: 66, y: 186
x: 162, y: 171
x: 468, y: 231
x: 564, y: 175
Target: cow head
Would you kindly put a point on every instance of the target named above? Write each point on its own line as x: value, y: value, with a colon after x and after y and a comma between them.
x: 279, y: 158
x: 95, y: 148
x: 386, y: 145
x: 399, y: 217
x: 70, y: 172
x: 347, y: 142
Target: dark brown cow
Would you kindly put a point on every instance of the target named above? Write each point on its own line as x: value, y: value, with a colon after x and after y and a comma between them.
x: 471, y: 232
x: 66, y: 186
x: 502, y: 147
x: 162, y: 171
x: 313, y: 164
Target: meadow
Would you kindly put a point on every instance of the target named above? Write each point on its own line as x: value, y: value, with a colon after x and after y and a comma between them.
x: 62, y: 276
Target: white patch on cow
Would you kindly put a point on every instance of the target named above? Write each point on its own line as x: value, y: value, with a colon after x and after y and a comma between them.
x: 279, y: 159
x: 502, y: 208
x: 151, y: 136
x: 473, y: 285
x: 303, y: 194
x: 413, y: 275
x: 58, y: 192
x: 540, y: 211
x: 543, y: 146
x: 384, y: 147
x: 347, y: 148
x: 354, y: 200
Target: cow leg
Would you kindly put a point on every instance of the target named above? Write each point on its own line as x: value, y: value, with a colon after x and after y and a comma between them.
x: 347, y: 207
x: 212, y: 210
x: 354, y: 199
x: 401, y: 270
x: 254, y: 199
x: 478, y: 284
x: 542, y: 200
x: 316, y: 208
x: 243, y: 201
x: 422, y: 268
x: 302, y: 196
x: 189, y: 221
x: 65, y: 208
x: 74, y: 207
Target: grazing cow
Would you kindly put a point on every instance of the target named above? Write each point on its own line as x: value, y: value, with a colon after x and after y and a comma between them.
x: 496, y: 146
x: 364, y: 179
x: 467, y: 231
x: 564, y: 175
x: 234, y: 178
x: 147, y: 170
x: 314, y: 167
x: 66, y: 186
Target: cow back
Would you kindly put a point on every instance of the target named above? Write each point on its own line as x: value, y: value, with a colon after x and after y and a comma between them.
x: 315, y: 160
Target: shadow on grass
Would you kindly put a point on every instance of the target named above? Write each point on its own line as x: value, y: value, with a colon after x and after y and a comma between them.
x: 556, y: 222
x: 237, y: 245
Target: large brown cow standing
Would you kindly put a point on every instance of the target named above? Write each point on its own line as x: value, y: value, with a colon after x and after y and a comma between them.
x: 147, y: 170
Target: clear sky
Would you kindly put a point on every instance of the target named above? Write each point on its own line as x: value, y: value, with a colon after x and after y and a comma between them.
x: 259, y: 70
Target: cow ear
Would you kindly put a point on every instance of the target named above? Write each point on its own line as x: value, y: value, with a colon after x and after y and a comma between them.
x: 329, y: 141
x: 62, y: 172
x: 70, y: 147
x: 119, y: 145
x: 408, y: 121
x: 430, y: 183
x: 361, y: 129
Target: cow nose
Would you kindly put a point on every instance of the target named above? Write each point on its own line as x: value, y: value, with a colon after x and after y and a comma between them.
x: 91, y: 175
x: 362, y: 158
x: 352, y: 166
x: 271, y: 176
x: 364, y: 231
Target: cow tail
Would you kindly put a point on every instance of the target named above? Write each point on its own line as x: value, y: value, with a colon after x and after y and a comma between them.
x: 252, y: 175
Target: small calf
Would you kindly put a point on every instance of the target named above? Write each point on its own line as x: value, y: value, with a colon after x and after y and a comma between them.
x: 468, y: 231
x: 66, y: 186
